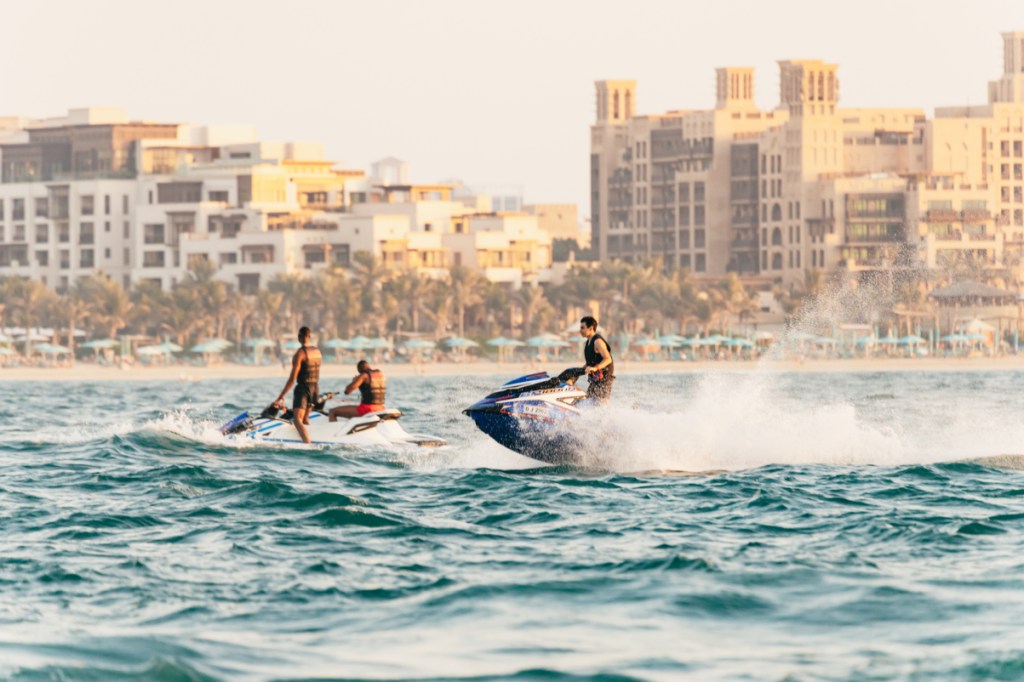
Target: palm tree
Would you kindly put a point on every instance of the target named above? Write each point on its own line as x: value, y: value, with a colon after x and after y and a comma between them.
x: 536, y: 309
x: 295, y: 289
x: 439, y: 309
x: 72, y: 309
x: 29, y: 301
x: 465, y: 286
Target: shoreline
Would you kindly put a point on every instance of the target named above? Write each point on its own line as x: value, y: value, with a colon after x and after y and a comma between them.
x: 86, y: 372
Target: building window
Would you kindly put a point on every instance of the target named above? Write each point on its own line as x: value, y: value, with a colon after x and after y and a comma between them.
x: 43, y: 258
x: 42, y: 234
x: 221, y: 197
x: 106, y: 204
x: 127, y: 256
x: 698, y: 239
x: 701, y: 263
x: 106, y: 253
x: 42, y: 207
x: 85, y: 233
x: 698, y: 215
x: 698, y: 191
x: 19, y: 233
x: 124, y: 203
x: 228, y: 258
x: 18, y: 210
x: 86, y: 258
x: 65, y: 259
x: 684, y: 239
x: 63, y: 233
x: 777, y: 261
x: 87, y: 204
x: 153, y: 259
x: 684, y: 261
x: 154, y: 234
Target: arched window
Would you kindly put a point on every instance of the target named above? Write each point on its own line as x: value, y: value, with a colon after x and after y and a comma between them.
x: 777, y: 237
x: 615, y: 105
x: 776, y: 212
x: 821, y: 87
x: 629, y: 104
x: 777, y: 261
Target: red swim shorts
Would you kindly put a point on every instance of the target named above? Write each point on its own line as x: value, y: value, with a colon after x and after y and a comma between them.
x: 363, y: 410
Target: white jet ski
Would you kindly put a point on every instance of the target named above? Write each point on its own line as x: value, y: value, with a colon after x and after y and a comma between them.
x: 377, y: 428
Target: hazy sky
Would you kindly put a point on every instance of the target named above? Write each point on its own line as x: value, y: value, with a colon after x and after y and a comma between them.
x: 495, y: 93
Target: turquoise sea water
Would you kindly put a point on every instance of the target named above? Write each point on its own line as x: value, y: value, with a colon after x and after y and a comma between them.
x: 845, y: 526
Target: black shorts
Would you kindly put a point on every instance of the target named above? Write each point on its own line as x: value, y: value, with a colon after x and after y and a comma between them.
x: 305, y: 397
x: 600, y: 391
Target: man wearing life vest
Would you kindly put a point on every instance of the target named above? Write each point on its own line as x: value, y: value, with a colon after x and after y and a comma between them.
x: 305, y: 376
x: 372, y: 386
x: 600, y: 368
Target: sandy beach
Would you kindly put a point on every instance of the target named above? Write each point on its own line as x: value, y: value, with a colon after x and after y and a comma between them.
x: 90, y: 372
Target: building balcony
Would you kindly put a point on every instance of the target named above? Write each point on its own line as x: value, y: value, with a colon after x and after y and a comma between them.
x: 942, y: 216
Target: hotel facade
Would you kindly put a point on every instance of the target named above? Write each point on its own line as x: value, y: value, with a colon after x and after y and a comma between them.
x: 95, y: 193
x: 809, y: 184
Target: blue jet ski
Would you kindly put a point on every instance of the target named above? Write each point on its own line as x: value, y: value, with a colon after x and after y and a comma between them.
x: 534, y: 415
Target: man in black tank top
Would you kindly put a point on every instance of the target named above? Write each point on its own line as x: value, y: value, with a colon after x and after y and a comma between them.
x: 305, y: 376
x: 600, y: 368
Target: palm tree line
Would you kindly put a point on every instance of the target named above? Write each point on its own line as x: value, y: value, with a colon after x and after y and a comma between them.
x: 370, y: 299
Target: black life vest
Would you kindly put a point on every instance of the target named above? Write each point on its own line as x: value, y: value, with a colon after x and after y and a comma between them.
x: 593, y: 358
x: 309, y: 372
x: 373, y: 388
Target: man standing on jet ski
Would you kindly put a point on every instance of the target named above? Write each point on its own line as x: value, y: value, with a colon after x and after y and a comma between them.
x: 372, y: 387
x: 600, y: 368
x: 305, y: 375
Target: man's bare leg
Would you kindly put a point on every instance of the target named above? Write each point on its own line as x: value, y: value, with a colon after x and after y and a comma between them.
x: 300, y: 420
x: 343, y: 411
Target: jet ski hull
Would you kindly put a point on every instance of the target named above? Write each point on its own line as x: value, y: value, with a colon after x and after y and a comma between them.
x: 375, y: 429
x: 534, y: 416
x: 533, y: 439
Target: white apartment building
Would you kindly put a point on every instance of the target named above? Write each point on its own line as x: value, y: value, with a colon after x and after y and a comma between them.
x: 94, y: 192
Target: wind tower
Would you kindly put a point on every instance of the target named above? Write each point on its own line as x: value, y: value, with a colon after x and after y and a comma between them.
x: 1010, y: 87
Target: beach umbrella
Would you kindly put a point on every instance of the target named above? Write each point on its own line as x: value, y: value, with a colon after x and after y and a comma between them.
x: 667, y: 342
x: 258, y: 343
x: 6, y: 351
x: 417, y: 344
x: 331, y: 344
x: 360, y: 343
x: 291, y: 345
x: 214, y: 346
x: 152, y: 350
x: 546, y: 341
x: 502, y: 342
x: 739, y: 343
x: 911, y: 340
x: 888, y: 340
x: 100, y: 343
x: 954, y: 338
x: 866, y: 341
x: 695, y: 341
x: 50, y: 348
x: 460, y: 342
x: 975, y: 337
x: 170, y: 346
x: 380, y: 343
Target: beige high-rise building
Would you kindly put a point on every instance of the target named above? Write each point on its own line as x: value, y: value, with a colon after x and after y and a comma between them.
x: 809, y: 185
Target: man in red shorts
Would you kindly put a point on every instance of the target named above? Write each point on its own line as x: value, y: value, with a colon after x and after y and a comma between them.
x: 372, y: 385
